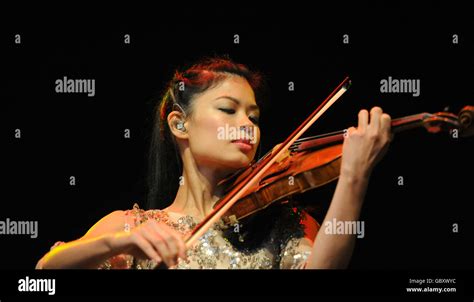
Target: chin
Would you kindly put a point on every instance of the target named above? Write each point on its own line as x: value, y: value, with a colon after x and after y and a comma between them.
x: 237, y: 162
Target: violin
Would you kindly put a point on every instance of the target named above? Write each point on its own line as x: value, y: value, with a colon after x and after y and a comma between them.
x: 298, y: 165
x: 315, y: 161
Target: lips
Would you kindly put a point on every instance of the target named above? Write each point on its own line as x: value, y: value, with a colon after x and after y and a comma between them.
x: 243, y: 144
x: 244, y: 141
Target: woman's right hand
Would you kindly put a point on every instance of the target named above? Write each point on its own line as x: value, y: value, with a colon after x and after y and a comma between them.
x: 150, y: 240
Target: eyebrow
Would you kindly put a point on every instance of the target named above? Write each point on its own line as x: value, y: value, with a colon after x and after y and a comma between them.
x: 238, y: 102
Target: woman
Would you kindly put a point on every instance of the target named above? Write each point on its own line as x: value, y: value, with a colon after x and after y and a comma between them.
x: 189, y: 157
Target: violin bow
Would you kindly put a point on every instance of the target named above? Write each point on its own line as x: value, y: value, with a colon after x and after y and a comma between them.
x: 236, y: 193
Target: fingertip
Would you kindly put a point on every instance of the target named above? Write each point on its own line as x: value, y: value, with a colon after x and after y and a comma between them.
x: 376, y: 109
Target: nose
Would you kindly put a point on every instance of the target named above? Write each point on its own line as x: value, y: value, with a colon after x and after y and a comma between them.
x: 248, y: 127
x: 249, y: 132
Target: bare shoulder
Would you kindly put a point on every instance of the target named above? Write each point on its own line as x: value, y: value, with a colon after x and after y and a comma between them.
x: 111, y: 223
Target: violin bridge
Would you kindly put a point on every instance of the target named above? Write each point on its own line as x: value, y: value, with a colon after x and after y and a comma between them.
x: 282, y: 156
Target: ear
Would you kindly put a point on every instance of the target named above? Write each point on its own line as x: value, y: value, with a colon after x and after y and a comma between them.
x: 175, y: 117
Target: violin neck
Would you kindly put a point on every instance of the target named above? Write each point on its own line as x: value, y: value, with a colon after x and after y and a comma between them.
x: 324, y: 140
x: 409, y: 122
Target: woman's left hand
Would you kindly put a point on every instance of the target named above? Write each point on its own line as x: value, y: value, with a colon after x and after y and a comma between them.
x: 365, y: 145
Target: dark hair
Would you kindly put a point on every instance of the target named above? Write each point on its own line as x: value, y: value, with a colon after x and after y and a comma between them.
x: 164, y: 163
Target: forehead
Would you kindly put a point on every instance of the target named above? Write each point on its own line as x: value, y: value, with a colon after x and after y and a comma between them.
x: 233, y: 86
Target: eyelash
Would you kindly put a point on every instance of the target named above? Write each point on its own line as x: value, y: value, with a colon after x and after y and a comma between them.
x: 232, y: 111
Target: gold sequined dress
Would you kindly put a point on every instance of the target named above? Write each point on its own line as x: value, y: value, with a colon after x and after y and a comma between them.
x: 213, y: 250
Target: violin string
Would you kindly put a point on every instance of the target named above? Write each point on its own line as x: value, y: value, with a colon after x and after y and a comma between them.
x: 297, y: 143
x: 302, y: 140
x: 396, y: 123
x: 320, y: 136
x: 410, y: 118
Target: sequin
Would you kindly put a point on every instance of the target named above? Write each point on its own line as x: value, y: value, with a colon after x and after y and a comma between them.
x: 212, y: 250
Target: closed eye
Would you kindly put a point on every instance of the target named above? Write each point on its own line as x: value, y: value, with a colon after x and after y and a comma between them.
x: 228, y: 111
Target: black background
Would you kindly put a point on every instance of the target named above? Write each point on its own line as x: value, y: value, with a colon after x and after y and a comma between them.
x: 406, y: 227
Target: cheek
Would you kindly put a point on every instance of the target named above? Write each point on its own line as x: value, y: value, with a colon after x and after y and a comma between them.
x: 204, y: 134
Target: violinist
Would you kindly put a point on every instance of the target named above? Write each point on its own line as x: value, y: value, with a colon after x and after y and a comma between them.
x: 187, y: 161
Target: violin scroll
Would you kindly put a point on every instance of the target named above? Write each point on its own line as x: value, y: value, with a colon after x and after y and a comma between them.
x: 446, y: 121
x: 466, y: 117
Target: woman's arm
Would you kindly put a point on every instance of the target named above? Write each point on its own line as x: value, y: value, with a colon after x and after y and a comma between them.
x: 78, y: 254
x: 150, y: 240
x: 89, y: 251
x: 363, y: 147
x: 335, y: 250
